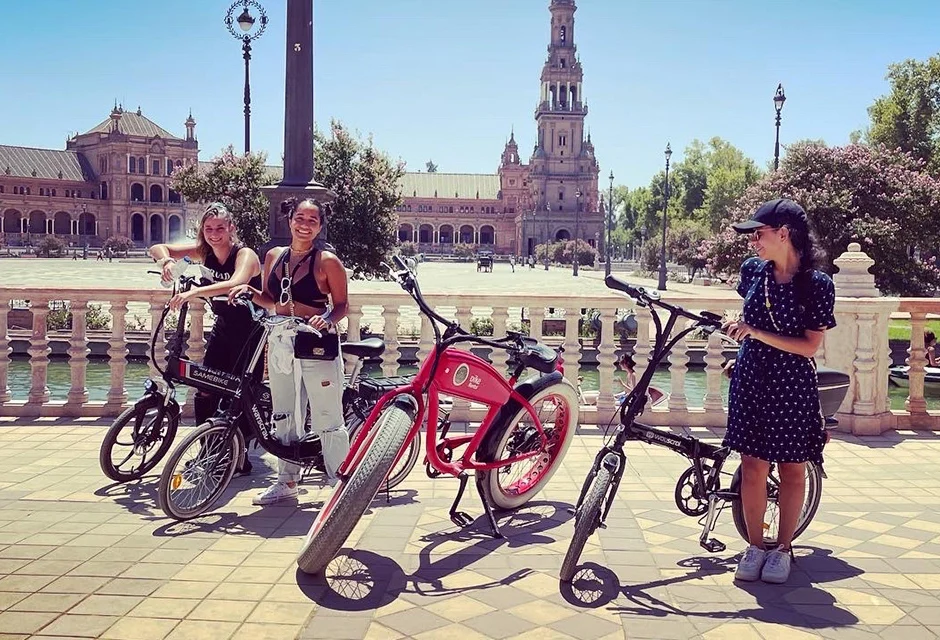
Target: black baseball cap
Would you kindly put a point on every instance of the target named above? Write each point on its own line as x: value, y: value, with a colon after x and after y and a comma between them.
x: 775, y: 213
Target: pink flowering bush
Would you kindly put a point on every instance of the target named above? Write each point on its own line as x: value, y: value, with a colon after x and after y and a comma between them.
x: 883, y: 199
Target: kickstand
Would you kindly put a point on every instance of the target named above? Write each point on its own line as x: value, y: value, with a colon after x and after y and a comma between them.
x: 460, y: 518
x: 388, y: 497
x: 489, y: 510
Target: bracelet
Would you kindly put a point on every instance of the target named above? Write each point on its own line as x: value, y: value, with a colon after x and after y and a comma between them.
x: 162, y: 262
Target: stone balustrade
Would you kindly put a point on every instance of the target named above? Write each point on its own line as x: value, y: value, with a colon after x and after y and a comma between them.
x: 858, y: 346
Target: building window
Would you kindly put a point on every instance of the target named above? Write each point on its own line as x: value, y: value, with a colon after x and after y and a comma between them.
x: 78, y: 194
x: 53, y: 193
x: 156, y: 167
x: 169, y: 166
x: 41, y: 191
x: 564, y: 63
x: 562, y: 140
x: 104, y: 190
x: 564, y: 34
x: 1, y: 188
x: 131, y: 165
x: 27, y: 191
x: 141, y: 165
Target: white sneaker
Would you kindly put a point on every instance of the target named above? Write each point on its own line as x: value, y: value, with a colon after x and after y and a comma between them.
x: 777, y: 568
x: 275, y: 493
x: 749, y: 567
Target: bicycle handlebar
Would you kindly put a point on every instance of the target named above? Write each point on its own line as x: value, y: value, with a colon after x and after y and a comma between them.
x: 652, y: 298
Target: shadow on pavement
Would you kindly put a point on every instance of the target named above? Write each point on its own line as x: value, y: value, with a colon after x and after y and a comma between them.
x: 358, y: 580
x: 799, y: 602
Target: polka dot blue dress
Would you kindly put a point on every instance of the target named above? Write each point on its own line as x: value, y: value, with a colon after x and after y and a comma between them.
x: 773, y: 404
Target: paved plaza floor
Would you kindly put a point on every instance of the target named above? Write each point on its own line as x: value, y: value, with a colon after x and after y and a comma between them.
x: 435, y: 277
x: 82, y: 557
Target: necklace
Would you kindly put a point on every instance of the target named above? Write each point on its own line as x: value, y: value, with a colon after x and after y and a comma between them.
x: 767, y: 304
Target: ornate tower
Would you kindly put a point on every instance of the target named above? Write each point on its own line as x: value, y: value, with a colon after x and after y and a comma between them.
x: 563, y: 163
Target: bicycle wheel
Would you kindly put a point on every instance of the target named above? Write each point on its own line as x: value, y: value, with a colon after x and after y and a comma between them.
x: 137, y: 440
x: 198, y: 471
x: 812, y: 493
x: 511, y: 486
x: 585, y: 523
x: 351, y: 497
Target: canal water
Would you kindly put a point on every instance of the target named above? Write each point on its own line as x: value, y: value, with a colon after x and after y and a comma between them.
x: 98, y: 381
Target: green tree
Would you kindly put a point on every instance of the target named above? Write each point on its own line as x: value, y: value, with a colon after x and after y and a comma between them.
x: 363, y: 224
x: 51, y: 246
x: 683, y: 240
x: 118, y: 245
x: 234, y: 180
x: 882, y: 198
x: 908, y: 116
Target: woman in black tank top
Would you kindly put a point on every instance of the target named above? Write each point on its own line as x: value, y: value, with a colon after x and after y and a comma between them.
x: 226, y: 264
x: 306, y: 280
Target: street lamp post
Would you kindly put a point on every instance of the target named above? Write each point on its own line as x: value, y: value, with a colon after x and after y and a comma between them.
x: 577, y: 232
x: 662, y: 254
x: 246, y: 22
x: 548, y: 231
x: 81, y: 231
x: 610, y: 221
x: 779, y: 99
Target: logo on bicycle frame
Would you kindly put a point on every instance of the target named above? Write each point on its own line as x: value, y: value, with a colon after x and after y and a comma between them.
x: 461, y: 374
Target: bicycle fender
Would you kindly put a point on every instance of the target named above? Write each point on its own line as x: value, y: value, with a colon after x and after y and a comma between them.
x: 526, y: 389
x: 155, y: 400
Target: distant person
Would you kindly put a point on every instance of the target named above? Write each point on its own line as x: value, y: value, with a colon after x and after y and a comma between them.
x: 930, y: 343
x: 512, y: 263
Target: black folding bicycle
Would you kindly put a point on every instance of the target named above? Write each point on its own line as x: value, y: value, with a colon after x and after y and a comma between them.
x: 698, y: 491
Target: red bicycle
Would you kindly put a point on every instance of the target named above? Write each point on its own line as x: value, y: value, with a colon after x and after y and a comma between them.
x: 526, y: 431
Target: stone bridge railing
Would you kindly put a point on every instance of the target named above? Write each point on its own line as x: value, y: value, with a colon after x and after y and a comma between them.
x: 858, y: 346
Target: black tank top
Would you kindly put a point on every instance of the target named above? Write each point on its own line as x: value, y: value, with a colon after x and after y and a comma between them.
x: 229, y: 316
x: 304, y: 288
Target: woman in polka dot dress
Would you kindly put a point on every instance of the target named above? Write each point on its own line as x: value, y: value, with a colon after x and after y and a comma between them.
x: 773, y: 406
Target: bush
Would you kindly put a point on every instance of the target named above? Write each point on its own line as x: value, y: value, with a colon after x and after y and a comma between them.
x: 118, y: 245
x: 60, y: 317
x: 466, y: 251
x: 408, y: 249
x: 481, y: 326
x: 50, y: 247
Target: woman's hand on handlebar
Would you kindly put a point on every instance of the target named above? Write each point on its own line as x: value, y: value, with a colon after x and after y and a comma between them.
x: 319, y: 323
x: 180, y: 299
x: 738, y: 330
x: 167, y: 274
x: 240, y: 291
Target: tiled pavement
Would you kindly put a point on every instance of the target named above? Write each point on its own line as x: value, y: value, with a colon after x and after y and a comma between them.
x: 80, y: 557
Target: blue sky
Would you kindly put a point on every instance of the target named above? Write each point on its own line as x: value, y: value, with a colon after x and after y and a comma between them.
x: 447, y: 80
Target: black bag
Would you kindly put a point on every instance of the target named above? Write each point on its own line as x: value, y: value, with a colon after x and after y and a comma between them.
x: 310, y: 346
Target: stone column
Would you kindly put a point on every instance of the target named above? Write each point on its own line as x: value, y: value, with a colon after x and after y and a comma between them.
x: 298, y: 178
x: 38, y: 357
x: 4, y: 351
x: 858, y: 345
x: 78, y: 354
x: 117, y: 355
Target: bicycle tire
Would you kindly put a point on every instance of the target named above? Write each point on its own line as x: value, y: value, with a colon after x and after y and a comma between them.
x: 585, y: 523
x: 510, y: 498
x: 813, y: 495
x: 350, y: 498
x: 135, y: 416
x: 228, y: 453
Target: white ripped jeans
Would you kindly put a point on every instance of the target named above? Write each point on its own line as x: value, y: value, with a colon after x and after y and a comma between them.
x: 317, y: 384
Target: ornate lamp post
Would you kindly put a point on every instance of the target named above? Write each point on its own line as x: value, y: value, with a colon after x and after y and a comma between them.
x: 82, y: 231
x: 548, y: 231
x: 779, y: 99
x: 577, y: 231
x: 246, y: 22
x: 662, y: 255
x: 610, y: 222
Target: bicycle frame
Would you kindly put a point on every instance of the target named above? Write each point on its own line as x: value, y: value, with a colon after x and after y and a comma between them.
x: 453, y: 372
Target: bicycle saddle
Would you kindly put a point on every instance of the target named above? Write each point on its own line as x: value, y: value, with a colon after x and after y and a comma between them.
x: 368, y: 348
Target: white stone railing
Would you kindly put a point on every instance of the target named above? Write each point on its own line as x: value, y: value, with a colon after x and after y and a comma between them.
x: 857, y: 346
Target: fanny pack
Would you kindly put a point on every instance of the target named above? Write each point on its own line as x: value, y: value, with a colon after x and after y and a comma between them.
x: 310, y: 346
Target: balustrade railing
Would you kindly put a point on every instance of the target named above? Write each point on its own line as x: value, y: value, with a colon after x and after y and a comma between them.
x: 857, y: 346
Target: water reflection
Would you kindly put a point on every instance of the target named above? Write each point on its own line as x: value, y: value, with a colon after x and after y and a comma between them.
x: 98, y: 381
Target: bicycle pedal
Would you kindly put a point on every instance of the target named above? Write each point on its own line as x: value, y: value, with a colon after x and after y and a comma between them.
x: 713, y: 546
x: 461, y: 519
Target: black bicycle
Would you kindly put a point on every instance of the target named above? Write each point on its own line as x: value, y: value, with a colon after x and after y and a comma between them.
x: 202, y: 465
x: 698, y: 491
x: 142, y: 435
